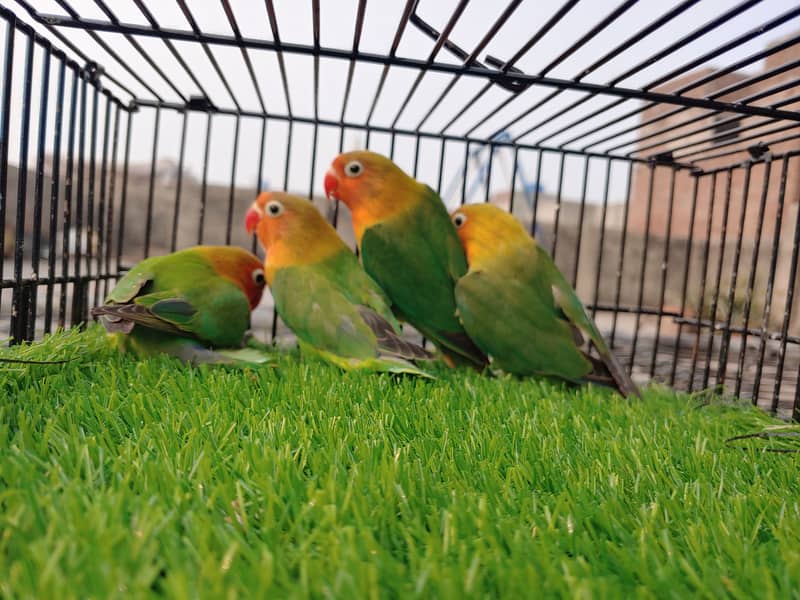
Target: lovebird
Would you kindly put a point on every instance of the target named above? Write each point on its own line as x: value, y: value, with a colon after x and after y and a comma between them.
x: 194, y: 304
x: 519, y: 308
x: 408, y: 246
x: 321, y: 292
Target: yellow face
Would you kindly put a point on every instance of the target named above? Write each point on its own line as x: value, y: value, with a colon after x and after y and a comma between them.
x: 484, y: 228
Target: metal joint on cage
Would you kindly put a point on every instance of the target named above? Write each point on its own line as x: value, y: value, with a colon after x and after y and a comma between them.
x: 200, y: 103
x: 93, y: 72
x: 758, y: 150
x: 663, y: 158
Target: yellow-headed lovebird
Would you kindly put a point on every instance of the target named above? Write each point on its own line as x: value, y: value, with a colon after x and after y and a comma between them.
x: 194, y: 304
x: 519, y: 308
x: 408, y: 246
x: 321, y: 292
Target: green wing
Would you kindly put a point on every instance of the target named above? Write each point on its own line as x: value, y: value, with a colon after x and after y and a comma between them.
x: 416, y: 258
x: 512, y: 315
x: 314, y: 307
x: 337, y: 309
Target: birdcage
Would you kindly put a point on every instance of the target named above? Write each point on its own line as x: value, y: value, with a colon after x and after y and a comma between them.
x: 651, y: 147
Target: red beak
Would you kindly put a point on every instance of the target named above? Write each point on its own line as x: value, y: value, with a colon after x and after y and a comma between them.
x: 331, y: 184
x: 252, y: 218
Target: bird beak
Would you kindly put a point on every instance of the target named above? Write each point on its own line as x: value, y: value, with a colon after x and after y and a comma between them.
x: 331, y: 184
x: 252, y: 218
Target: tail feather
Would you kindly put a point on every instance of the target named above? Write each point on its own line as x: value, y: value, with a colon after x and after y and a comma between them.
x: 609, y: 368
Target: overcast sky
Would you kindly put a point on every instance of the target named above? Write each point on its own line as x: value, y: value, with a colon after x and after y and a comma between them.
x: 337, y: 24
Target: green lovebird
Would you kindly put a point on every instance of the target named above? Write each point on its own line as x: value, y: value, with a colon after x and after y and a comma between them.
x: 408, y: 246
x: 519, y: 308
x: 322, y: 293
x: 194, y: 304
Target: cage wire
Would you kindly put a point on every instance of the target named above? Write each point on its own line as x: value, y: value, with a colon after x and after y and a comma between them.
x: 652, y: 147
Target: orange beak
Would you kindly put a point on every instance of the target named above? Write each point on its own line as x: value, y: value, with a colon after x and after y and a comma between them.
x: 253, y: 218
x: 331, y: 184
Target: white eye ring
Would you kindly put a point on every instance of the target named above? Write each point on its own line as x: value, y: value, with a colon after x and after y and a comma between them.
x: 258, y: 277
x: 353, y: 168
x: 459, y: 219
x: 274, y: 209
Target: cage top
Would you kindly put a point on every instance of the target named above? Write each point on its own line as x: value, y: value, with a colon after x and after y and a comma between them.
x: 687, y: 82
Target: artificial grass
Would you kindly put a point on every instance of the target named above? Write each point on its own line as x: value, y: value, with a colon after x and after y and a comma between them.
x: 121, y: 478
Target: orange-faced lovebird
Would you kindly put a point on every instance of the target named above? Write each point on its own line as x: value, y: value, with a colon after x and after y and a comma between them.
x: 321, y: 292
x: 519, y: 308
x: 408, y: 246
x: 194, y: 304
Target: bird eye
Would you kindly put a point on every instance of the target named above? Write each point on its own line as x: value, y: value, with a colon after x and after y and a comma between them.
x: 258, y: 277
x: 274, y: 208
x: 459, y: 219
x: 353, y: 168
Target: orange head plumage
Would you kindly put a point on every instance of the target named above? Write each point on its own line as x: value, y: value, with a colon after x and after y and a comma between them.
x: 486, y: 232
x: 237, y: 266
x: 372, y: 187
x: 291, y: 230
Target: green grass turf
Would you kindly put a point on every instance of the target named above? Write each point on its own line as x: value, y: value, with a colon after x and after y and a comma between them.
x: 124, y: 479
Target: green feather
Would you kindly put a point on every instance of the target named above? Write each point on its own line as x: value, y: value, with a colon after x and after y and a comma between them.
x: 416, y: 258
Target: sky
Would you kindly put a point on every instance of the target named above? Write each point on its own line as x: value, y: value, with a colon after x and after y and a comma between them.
x: 336, y: 31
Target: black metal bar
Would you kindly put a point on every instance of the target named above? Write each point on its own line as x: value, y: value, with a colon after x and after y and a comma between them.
x: 261, y: 149
x: 773, y: 263
x: 772, y: 142
x: 451, y: 23
x: 99, y: 41
x: 718, y: 282
x: 751, y: 281
x: 621, y: 262
x: 362, y: 5
x: 176, y: 211
x: 787, y: 311
x: 703, y: 279
x: 399, y: 131
x: 289, y: 139
x: 514, y: 181
x: 535, y: 206
x: 393, y: 60
x: 562, y: 160
x: 148, y: 224
x: 600, y: 245
x: 401, y: 27
x: 757, y: 136
x: 717, y: 326
x: 278, y: 47
x: 643, y: 264
x: 90, y: 233
x: 112, y: 184
x: 722, y: 366
x: 124, y: 194
x: 171, y: 47
x: 198, y: 37
x: 55, y: 180
x: 78, y: 308
x: 18, y: 315
x: 142, y: 52
x: 245, y: 56
x: 101, y: 208
x: 5, y: 116
x: 232, y: 187
x: 664, y: 265
x: 581, y: 213
x: 473, y: 56
x: 38, y: 192
x: 685, y: 285
x: 67, y: 220
x: 204, y: 183
x: 463, y: 198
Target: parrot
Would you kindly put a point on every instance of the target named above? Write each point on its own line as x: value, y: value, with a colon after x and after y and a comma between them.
x: 519, y: 308
x: 408, y: 246
x: 322, y: 293
x: 193, y: 304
